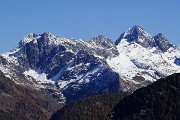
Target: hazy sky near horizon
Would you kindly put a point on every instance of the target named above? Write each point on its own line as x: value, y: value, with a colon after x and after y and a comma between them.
x: 84, y: 19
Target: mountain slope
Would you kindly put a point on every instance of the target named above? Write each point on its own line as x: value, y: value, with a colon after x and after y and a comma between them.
x: 92, y: 108
x: 71, y: 69
x: 143, y: 58
x: 160, y: 100
x: 19, y: 102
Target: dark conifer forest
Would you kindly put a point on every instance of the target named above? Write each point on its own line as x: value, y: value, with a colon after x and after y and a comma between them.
x: 158, y: 101
x: 19, y: 102
x: 92, y: 108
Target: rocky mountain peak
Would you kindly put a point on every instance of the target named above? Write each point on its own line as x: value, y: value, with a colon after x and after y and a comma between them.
x: 136, y: 28
x: 162, y: 42
x: 32, y: 37
x: 160, y: 36
x: 137, y: 34
x: 48, y: 35
x: 28, y: 38
x: 101, y: 41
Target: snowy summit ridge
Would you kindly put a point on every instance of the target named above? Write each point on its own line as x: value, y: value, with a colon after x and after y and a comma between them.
x: 32, y: 37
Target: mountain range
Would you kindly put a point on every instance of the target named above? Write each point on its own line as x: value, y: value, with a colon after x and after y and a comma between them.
x: 70, y: 69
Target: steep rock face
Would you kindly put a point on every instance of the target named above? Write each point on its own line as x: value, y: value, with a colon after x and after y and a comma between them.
x: 68, y: 68
x: 162, y: 42
x: 103, y: 46
x: 88, y: 77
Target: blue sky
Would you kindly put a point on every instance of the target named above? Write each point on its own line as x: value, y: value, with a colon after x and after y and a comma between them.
x: 84, y: 19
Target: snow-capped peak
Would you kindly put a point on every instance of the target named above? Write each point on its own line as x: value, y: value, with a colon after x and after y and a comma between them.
x: 101, y: 41
x: 48, y: 35
x: 161, y: 37
x: 28, y: 38
x: 136, y: 28
x: 162, y: 42
x: 33, y: 37
x: 137, y: 34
